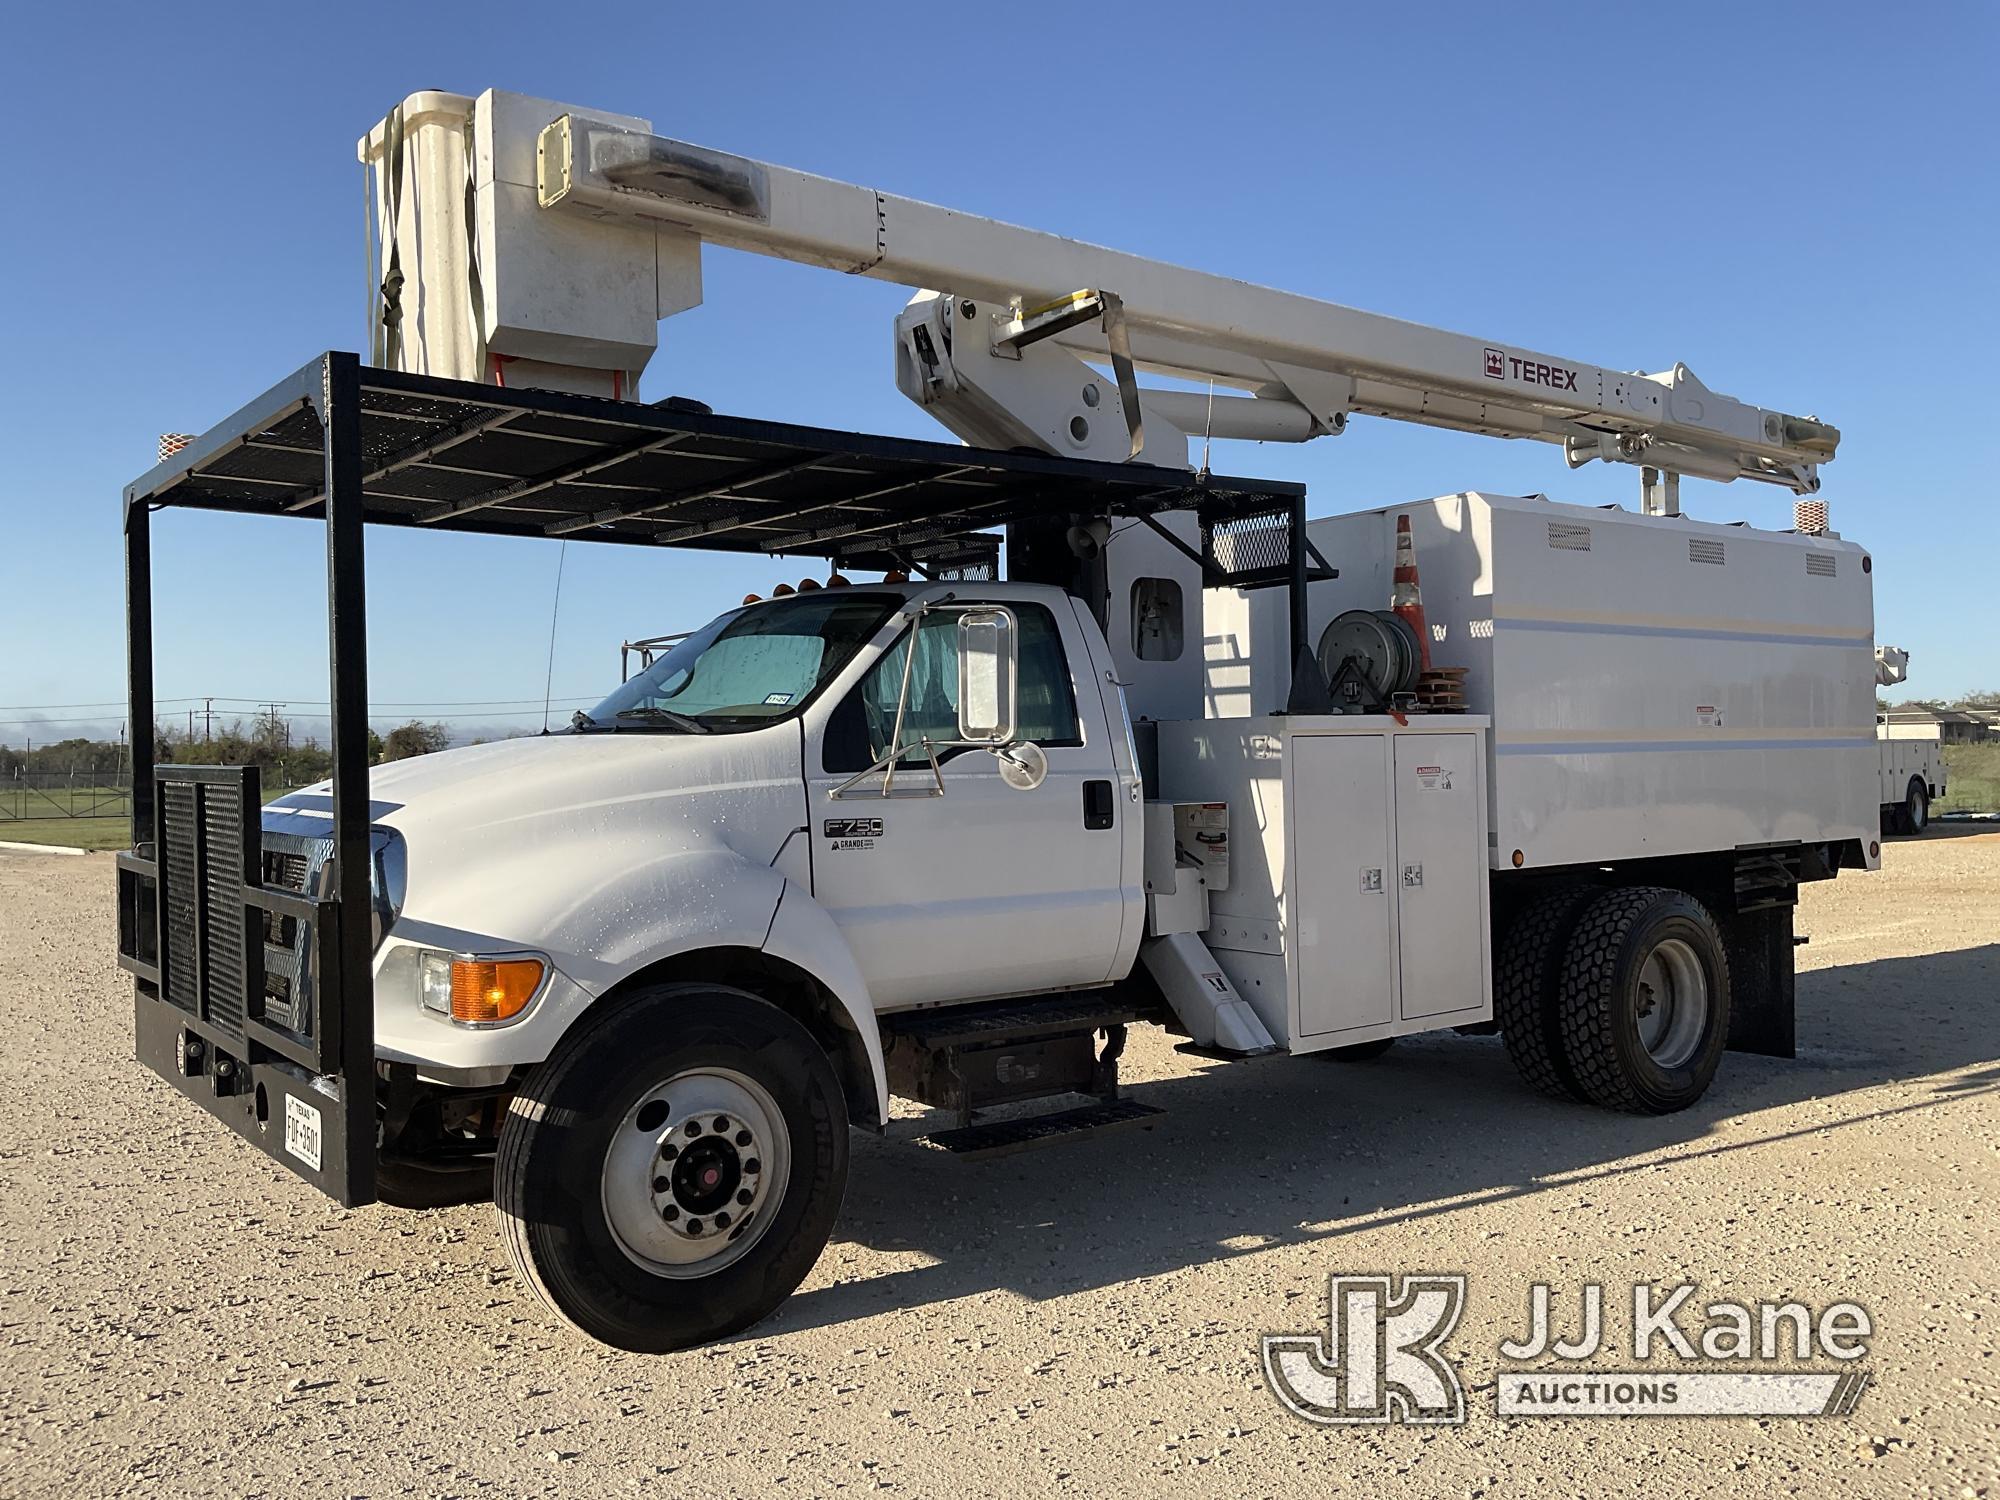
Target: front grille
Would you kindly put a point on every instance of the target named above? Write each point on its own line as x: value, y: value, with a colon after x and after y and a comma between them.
x: 292, y: 863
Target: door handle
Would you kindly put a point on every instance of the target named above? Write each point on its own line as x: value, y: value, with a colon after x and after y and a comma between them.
x: 1098, y: 805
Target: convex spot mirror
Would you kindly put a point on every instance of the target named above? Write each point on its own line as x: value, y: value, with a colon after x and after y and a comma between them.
x: 988, y: 669
x: 1024, y: 765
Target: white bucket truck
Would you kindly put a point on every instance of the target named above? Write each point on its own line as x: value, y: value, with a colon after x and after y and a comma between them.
x: 946, y: 836
x: 1913, y: 768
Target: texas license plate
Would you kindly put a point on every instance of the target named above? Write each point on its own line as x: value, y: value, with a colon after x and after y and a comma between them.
x: 302, y: 1131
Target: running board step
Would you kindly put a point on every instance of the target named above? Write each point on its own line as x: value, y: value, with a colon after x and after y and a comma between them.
x: 1002, y: 1136
x: 1009, y: 1020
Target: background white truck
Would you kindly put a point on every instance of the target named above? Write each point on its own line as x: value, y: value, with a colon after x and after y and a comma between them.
x: 1913, y: 769
x: 949, y: 834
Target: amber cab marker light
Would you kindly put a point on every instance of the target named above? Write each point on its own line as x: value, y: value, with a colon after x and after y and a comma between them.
x: 487, y: 990
x: 1519, y: 859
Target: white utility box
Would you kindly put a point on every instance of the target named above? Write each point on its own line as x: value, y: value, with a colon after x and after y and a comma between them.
x: 1657, y: 685
x: 1357, y: 895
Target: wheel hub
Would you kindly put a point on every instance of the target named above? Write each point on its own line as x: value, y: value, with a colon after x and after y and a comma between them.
x: 694, y: 1172
x: 1671, y: 1003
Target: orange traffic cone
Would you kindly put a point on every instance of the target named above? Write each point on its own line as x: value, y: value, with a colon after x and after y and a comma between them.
x: 1405, y: 597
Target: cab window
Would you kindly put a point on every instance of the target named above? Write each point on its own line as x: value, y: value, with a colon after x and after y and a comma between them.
x: 858, y: 731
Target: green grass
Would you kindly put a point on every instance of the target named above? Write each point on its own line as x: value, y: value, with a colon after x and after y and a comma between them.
x: 38, y: 817
x: 78, y: 833
x: 17, y: 801
x: 1972, y: 779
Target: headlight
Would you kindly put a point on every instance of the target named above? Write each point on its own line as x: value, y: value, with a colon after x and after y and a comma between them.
x: 474, y: 991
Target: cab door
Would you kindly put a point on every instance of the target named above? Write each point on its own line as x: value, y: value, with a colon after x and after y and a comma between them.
x: 986, y: 890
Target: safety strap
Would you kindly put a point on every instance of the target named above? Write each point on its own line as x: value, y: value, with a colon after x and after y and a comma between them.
x: 389, y: 337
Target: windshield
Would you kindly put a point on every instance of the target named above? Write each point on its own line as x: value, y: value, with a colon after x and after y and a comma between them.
x: 749, y: 667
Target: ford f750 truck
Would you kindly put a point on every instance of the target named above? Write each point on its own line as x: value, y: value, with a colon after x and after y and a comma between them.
x: 1057, y: 737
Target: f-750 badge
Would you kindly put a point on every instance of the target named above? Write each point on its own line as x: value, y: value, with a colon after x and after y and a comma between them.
x: 851, y: 833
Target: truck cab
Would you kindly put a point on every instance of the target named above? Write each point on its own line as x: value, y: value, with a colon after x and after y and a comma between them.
x: 737, y: 795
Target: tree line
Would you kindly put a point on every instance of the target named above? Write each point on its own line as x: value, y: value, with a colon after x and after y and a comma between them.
x: 262, y: 743
x: 1988, y: 700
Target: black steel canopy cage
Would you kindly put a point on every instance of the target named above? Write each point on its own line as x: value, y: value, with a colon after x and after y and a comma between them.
x: 252, y: 968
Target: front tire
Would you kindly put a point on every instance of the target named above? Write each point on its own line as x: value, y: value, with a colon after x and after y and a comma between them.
x: 1644, y: 1003
x: 674, y: 1169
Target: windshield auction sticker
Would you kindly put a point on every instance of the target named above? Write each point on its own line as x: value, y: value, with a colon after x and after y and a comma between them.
x: 1648, y: 1350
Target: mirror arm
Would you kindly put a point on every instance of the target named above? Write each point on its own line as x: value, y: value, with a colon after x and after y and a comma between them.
x: 886, y: 764
x: 902, y: 703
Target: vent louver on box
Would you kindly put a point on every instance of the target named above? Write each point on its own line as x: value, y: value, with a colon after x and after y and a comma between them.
x: 1821, y: 565
x: 1567, y: 536
x: 1705, y: 549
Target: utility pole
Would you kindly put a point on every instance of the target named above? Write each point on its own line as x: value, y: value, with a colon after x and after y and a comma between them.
x: 277, y: 734
x: 207, y: 721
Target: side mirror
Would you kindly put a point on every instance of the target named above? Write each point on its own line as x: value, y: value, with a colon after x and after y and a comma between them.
x: 988, y: 669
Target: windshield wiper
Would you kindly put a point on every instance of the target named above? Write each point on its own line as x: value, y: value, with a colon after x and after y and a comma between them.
x: 653, y: 715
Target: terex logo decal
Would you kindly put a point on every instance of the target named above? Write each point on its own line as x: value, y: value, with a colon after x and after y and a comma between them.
x: 1500, y: 364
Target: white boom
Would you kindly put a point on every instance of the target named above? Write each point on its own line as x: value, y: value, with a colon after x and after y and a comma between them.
x: 589, y: 231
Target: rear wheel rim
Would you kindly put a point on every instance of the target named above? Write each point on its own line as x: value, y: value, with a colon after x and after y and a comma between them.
x: 695, y: 1172
x: 1919, y: 809
x: 1672, y: 1003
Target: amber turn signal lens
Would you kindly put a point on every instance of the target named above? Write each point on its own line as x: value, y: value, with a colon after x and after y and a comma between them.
x: 484, y: 990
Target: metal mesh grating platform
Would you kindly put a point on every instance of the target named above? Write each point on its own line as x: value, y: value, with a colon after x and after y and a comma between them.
x: 449, y: 455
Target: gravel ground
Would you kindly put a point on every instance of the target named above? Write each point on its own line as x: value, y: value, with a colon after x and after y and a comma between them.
x: 179, y: 1316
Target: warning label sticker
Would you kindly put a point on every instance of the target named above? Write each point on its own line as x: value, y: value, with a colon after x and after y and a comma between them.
x: 1433, y: 779
x: 1708, y: 716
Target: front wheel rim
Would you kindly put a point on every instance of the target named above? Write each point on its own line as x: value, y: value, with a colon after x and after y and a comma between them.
x: 695, y: 1172
x: 1672, y: 1003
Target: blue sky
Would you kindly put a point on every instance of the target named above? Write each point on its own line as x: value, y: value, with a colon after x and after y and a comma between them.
x: 1798, y: 201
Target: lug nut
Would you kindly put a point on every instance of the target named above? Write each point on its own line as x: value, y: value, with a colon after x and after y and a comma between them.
x: 694, y: 1127
x: 721, y: 1126
x: 722, y: 1221
x: 751, y: 1165
x: 743, y: 1195
x: 742, y: 1137
x: 670, y: 1213
x: 668, y: 1153
x: 694, y: 1226
x: 660, y: 1184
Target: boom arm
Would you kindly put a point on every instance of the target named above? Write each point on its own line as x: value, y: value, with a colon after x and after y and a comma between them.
x: 998, y: 349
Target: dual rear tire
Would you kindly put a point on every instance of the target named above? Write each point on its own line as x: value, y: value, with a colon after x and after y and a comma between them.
x: 1617, y: 997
